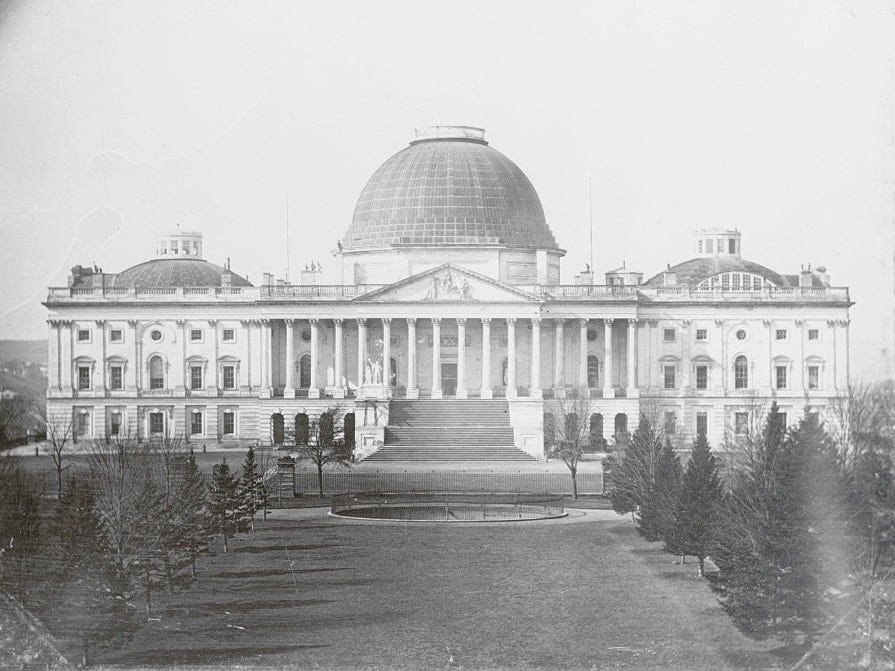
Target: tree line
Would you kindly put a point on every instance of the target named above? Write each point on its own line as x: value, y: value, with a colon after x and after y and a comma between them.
x: 798, y: 524
x: 130, y: 526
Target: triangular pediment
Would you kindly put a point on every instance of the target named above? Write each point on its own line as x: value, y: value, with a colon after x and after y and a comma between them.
x: 448, y: 283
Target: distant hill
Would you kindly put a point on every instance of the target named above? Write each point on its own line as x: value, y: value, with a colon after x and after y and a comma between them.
x: 24, y: 350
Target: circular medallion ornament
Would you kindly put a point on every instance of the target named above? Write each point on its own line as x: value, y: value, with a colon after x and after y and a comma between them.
x: 741, y: 334
x: 156, y: 335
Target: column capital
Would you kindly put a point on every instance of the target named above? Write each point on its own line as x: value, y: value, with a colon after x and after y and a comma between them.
x: 386, y: 321
x: 536, y: 320
x: 212, y: 322
x: 511, y: 321
x: 632, y: 321
x: 767, y: 322
x: 411, y: 321
x: 582, y: 322
x: 436, y: 321
x: 361, y: 321
x: 55, y: 323
x: 607, y: 323
x: 461, y: 321
x: 799, y: 322
x: 559, y: 323
x: 180, y: 322
x: 289, y: 322
x: 686, y: 322
x: 99, y: 322
x: 719, y: 323
x: 133, y: 323
x: 486, y: 321
x: 244, y: 322
x: 264, y: 322
x: 314, y: 322
x: 337, y: 321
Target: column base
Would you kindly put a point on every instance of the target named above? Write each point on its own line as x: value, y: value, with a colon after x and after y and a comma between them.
x: 437, y: 394
x: 289, y: 392
x: 462, y: 393
x: 487, y: 392
x: 559, y: 392
x: 633, y: 392
x: 266, y: 392
x: 338, y: 392
x: 512, y: 393
x: 536, y: 394
x: 314, y: 392
x: 608, y: 392
x: 412, y: 392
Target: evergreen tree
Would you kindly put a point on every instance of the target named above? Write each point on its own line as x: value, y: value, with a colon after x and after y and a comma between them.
x: 695, y: 512
x: 248, y: 487
x: 223, y: 500
x: 772, y: 568
x: 655, y: 519
x: 632, y: 479
x: 196, y: 519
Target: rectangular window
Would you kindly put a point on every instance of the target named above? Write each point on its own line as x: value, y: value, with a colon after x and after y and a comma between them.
x: 115, y: 423
x: 813, y: 334
x: 731, y: 246
x: 229, y: 423
x: 83, y: 377
x: 780, y: 334
x: 699, y: 247
x: 702, y: 377
x: 702, y: 424
x: 813, y: 377
x: 669, y: 376
x: 229, y: 335
x: 710, y: 246
x: 83, y: 335
x: 229, y: 377
x: 725, y: 282
x: 781, y: 377
x: 116, y: 378
x: 84, y: 424
x: 116, y: 335
x: 156, y: 422
x: 669, y: 335
x: 735, y: 282
x: 196, y: 423
x: 195, y: 377
x: 702, y: 335
x: 195, y: 335
x: 781, y: 419
x: 741, y: 423
x: 670, y: 423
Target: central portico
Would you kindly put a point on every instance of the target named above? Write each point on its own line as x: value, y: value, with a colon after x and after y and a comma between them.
x: 452, y: 333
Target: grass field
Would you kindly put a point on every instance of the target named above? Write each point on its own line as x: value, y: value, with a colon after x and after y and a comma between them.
x: 314, y: 592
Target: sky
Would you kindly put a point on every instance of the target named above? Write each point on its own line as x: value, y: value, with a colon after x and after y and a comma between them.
x: 120, y: 120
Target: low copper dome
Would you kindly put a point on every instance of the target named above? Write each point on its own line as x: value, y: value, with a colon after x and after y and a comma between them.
x: 449, y: 188
x: 167, y: 273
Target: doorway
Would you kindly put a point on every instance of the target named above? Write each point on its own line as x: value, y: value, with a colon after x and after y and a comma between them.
x: 449, y: 379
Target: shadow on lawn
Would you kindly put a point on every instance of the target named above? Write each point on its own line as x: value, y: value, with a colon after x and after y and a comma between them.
x: 240, y: 606
x: 198, y: 655
x: 260, y: 549
x: 272, y: 572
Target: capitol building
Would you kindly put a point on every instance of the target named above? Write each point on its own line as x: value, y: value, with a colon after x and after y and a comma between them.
x: 450, y: 328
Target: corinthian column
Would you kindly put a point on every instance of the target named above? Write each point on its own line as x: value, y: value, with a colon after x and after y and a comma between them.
x: 289, y: 392
x: 486, y: 358
x: 413, y: 390
x: 314, y: 391
x: 339, y: 389
x: 436, y: 358
x: 559, y: 382
x: 386, y: 355
x: 361, y: 355
x: 608, y: 389
x: 461, y: 359
x: 536, y: 359
x: 511, y: 359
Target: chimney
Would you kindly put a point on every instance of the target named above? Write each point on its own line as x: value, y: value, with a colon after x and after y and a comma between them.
x: 227, y: 277
x: 266, y: 279
x: 806, y: 278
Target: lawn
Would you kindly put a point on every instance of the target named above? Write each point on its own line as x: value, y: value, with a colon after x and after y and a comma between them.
x: 315, y: 592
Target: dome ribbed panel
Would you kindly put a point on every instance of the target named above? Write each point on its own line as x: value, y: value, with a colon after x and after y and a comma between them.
x: 168, y: 273
x: 445, y: 193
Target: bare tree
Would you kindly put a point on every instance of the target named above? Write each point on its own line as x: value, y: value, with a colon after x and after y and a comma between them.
x: 326, y: 443
x: 60, y: 427
x: 571, y: 421
x: 857, y: 420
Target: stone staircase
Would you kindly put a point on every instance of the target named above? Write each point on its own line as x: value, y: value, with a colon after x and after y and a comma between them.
x: 449, y: 430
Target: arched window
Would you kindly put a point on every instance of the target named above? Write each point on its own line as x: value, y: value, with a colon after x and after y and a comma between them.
x: 304, y: 372
x: 549, y: 429
x: 740, y: 373
x: 156, y: 372
x: 348, y: 429
x: 596, y: 431
x: 301, y: 429
x: 393, y: 372
x: 621, y: 429
x: 593, y: 371
x: 277, y: 428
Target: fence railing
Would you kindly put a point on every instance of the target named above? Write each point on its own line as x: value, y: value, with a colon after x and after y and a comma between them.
x: 447, y: 482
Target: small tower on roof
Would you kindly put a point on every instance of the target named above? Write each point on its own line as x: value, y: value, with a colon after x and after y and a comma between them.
x: 624, y: 277
x: 711, y: 242
x: 179, y: 243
